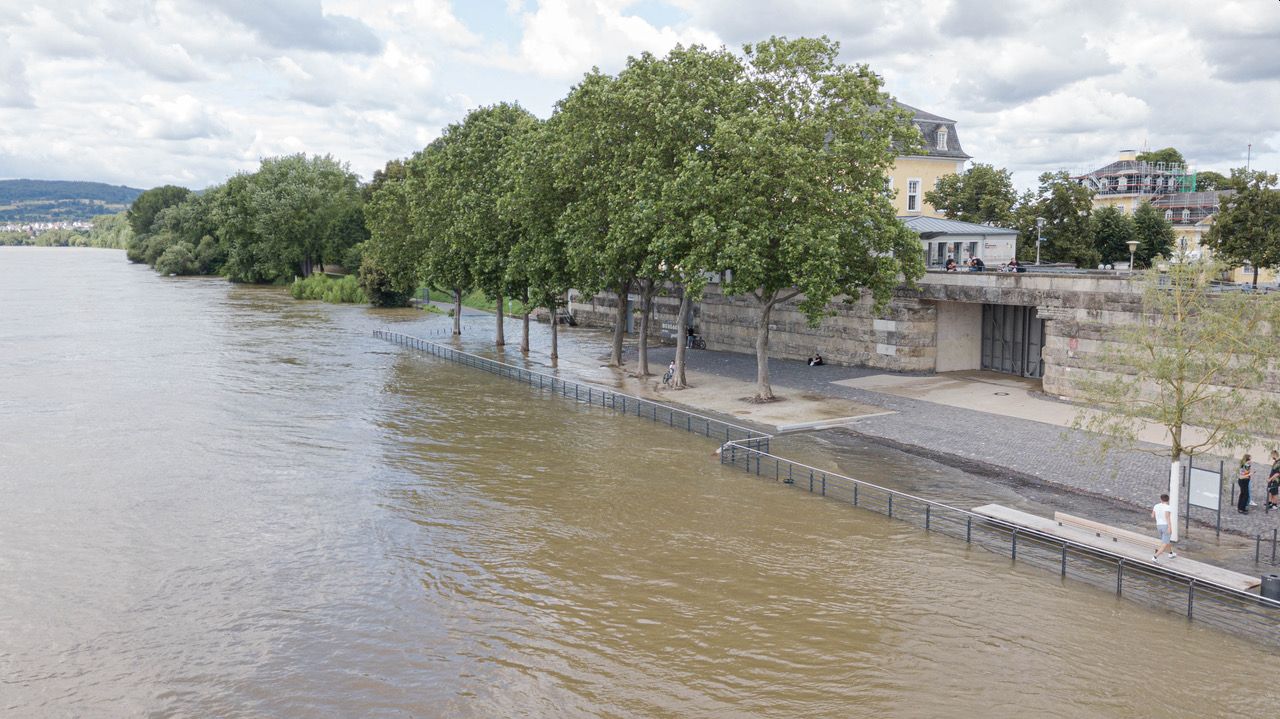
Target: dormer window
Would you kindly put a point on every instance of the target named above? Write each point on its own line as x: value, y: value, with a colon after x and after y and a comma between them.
x: 1186, y: 215
x: 1168, y: 215
x: 942, y: 138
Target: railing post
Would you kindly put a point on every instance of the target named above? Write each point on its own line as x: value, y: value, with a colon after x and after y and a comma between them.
x: 824, y: 484
x: 1191, y: 597
x: 811, y: 480
x: 1257, y: 548
x: 891, y: 506
x: 968, y: 529
x: 927, y: 516
x: 1120, y: 577
x: 1013, y: 545
x: 855, y: 494
x: 1273, y: 546
x: 1064, y: 559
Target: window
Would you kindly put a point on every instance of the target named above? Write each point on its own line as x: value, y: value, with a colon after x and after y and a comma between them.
x: 913, y: 195
x: 1186, y: 215
x: 942, y: 138
x: 1168, y: 215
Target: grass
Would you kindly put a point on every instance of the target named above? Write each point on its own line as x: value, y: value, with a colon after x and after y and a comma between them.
x: 328, y: 289
x: 476, y: 300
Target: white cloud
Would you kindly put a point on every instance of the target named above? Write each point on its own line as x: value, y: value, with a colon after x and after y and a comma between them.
x: 150, y: 91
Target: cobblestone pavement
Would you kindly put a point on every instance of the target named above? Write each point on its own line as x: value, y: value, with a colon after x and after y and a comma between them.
x: 1001, y: 446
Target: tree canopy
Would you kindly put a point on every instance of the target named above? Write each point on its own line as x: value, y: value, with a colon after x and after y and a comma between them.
x: 1167, y: 155
x: 1247, y: 228
x: 982, y: 194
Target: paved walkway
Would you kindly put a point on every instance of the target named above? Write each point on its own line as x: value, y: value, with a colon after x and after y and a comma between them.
x: 996, y: 444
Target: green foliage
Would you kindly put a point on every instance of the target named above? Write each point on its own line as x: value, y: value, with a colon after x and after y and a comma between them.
x: 1112, y: 230
x: 982, y: 194
x: 177, y: 259
x: 1068, y: 233
x: 382, y: 287
x: 1192, y: 359
x: 1247, y: 228
x: 345, y: 289
x: 58, y: 237
x: 1167, y: 155
x: 393, y: 257
x: 1207, y: 180
x: 1154, y: 234
x: 143, y: 211
x: 113, y: 231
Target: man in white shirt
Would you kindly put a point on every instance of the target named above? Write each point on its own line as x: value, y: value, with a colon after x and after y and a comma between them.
x: 1160, y: 513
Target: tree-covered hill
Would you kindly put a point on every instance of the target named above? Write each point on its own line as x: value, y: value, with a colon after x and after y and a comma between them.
x: 59, y: 200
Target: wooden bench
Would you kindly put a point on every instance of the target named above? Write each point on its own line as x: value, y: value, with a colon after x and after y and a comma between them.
x: 1102, y: 530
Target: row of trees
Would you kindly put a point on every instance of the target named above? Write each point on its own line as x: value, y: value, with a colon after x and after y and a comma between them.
x: 108, y: 231
x: 287, y: 219
x: 1073, y: 230
x: 767, y: 167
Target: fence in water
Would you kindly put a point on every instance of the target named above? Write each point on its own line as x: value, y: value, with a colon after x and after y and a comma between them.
x: 1224, y: 607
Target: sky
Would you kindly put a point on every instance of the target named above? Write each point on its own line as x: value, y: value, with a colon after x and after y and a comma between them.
x: 149, y: 92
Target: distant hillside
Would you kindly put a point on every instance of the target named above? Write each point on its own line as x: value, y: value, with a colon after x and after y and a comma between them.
x: 58, y: 200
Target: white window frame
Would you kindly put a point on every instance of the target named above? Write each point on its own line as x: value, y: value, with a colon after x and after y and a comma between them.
x: 914, y: 198
x: 940, y: 138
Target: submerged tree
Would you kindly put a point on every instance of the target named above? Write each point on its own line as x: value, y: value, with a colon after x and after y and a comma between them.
x: 1189, y: 361
x: 799, y: 193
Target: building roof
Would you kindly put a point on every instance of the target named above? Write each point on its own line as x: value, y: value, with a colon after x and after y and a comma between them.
x: 928, y: 124
x: 931, y: 227
x: 1209, y: 198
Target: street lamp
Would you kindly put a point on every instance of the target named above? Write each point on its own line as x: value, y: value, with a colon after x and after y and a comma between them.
x: 1133, y: 246
x: 1039, y: 224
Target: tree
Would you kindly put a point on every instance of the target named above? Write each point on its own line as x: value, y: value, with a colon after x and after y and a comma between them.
x: 1167, y: 155
x: 982, y: 194
x: 301, y: 210
x: 1247, y: 227
x: 1186, y: 362
x: 178, y: 259
x: 434, y: 202
x: 395, y: 253
x: 1154, y: 234
x: 149, y: 204
x: 800, y: 196
x: 593, y: 166
x: 1207, y: 180
x: 1112, y: 229
x: 1068, y: 234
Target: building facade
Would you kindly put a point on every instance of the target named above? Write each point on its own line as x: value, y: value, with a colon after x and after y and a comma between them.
x: 914, y: 175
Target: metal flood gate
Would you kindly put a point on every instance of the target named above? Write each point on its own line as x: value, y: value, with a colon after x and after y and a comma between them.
x: 1012, y: 337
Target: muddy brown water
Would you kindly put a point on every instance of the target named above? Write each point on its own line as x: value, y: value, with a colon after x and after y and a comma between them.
x: 218, y: 501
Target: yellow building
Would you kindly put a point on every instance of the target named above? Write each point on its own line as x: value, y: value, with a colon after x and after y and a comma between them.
x: 914, y: 175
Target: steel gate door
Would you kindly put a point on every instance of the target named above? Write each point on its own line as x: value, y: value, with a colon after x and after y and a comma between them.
x: 1012, y: 337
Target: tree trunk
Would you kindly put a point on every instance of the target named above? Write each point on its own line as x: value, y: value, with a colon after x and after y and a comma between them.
x: 646, y: 315
x: 555, y: 336
x: 1255, y: 276
x: 682, y: 340
x: 457, y: 310
x: 764, y: 391
x: 499, y: 340
x: 524, y: 329
x: 1175, y: 483
x: 619, y: 324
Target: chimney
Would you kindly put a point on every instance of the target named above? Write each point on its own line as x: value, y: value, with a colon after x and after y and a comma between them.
x: 1128, y: 155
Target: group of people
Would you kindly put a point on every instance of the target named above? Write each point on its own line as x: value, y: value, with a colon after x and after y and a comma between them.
x: 975, y: 264
x: 1245, y: 478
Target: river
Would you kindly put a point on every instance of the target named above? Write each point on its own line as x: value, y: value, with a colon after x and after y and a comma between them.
x: 220, y: 501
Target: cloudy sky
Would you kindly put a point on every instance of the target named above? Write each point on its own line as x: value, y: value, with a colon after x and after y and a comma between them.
x: 145, y: 92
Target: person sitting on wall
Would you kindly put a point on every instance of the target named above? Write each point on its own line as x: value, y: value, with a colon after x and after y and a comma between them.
x: 816, y: 360
x: 951, y: 264
x: 977, y: 265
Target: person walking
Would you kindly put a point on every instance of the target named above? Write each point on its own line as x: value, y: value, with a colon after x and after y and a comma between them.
x: 1242, y: 478
x: 1273, y: 482
x: 1161, y: 513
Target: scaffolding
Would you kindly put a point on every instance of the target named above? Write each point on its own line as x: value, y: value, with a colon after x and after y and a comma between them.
x: 1137, y: 177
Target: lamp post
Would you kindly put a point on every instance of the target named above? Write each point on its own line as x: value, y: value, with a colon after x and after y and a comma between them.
x: 1039, y: 225
x: 1133, y: 247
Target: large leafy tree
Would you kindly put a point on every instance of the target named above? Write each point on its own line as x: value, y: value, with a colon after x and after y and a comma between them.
x: 142, y: 214
x: 435, y: 209
x: 1190, y: 360
x: 1247, y: 227
x: 1068, y: 233
x: 394, y: 254
x: 800, y: 191
x: 1154, y: 234
x: 1207, y: 180
x: 1167, y: 155
x: 302, y: 211
x: 982, y: 194
x: 593, y: 140
x: 1112, y: 230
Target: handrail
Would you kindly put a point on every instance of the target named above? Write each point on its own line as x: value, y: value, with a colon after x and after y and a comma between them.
x: 755, y: 437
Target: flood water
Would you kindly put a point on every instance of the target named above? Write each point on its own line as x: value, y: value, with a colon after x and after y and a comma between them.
x: 218, y: 501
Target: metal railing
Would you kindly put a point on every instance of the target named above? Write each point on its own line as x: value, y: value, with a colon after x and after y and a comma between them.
x: 1227, y: 608
x: 591, y: 394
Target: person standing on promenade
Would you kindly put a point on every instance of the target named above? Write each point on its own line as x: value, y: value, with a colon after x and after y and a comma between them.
x: 1273, y: 482
x: 1161, y: 514
x: 1243, y: 476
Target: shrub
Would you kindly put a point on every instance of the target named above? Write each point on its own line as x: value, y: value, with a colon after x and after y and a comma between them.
x: 178, y: 259
x: 328, y: 289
